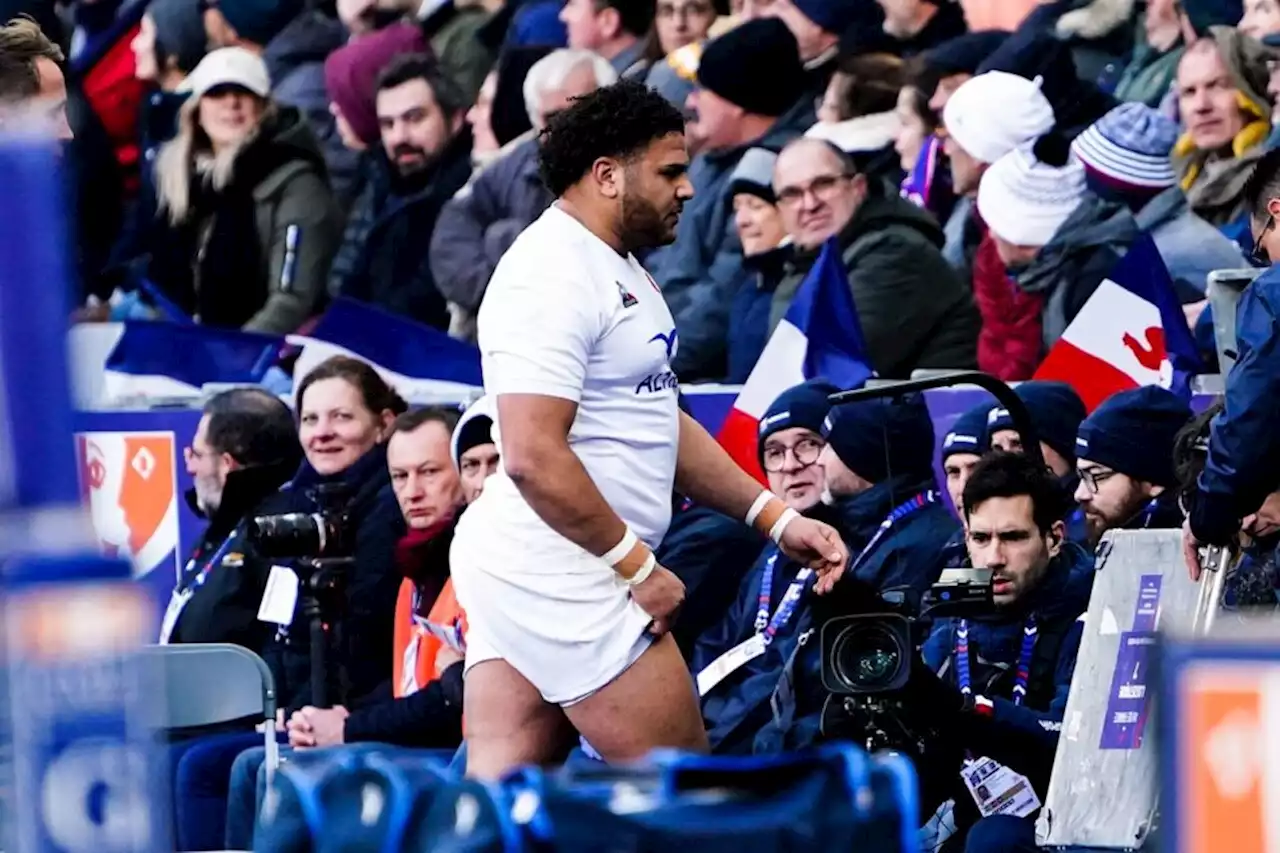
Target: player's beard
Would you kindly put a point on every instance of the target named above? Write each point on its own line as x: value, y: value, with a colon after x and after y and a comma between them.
x: 643, y: 225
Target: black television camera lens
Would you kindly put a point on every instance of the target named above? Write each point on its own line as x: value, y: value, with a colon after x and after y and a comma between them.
x: 866, y: 654
x: 296, y: 534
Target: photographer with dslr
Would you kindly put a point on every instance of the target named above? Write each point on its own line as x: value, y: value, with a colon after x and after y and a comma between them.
x: 1002, y: 680
x: 345, y: 507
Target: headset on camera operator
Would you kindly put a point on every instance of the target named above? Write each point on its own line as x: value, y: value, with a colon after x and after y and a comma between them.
x: 345, y: 411
x: 996, y: 686
x: 244, y: 449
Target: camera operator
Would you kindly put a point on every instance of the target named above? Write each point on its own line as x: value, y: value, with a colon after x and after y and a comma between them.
x: 244, y: 449
x: 345, y: 412
x: 1056, y: 411
x: 1001, y: 681
x: 1125, y: 463
x: 962, y: 449
x: 1243, y: 464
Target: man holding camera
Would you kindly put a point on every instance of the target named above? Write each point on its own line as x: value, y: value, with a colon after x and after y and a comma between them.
x: 997, y: 685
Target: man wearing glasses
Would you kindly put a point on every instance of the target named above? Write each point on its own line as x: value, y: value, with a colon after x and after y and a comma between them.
x: 1125, y: 461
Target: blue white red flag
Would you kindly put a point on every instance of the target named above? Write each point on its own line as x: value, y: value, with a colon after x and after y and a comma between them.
x: 155, y: 360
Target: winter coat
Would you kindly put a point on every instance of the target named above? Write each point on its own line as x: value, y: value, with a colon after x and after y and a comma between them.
x: 1190, y: 247
x: 1149, y: 74
x: 453, y: 35
x: 914, y: 310
x: 702, y: 269
x: 224, y: 605
x: 385, y: 257
x: 1010, y: 344
x: 749, y: 325
x: 738, y: 708
x: 1214, y: 185
x: 295, y: 60
x: 479, y: 224
x: 1081, y: 253
x: 254, y: 254
x: 366, y: 624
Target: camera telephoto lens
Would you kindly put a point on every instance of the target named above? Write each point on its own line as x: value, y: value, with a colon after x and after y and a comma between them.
x: 867, y: 657
x: 293, y: 534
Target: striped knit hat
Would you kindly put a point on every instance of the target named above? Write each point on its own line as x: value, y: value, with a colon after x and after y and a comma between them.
x: 1024, y: 201
x: 1128, y: 149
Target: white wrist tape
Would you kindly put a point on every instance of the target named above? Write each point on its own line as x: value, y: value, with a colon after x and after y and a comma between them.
x: 642, y: 574
x: 758, y: 506
x: 779, y: 526
x: 615, y: 554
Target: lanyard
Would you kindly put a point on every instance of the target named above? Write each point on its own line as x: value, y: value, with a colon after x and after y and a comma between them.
x: 199, y: 579
x: 1029, y: 633
x: 787, y: 606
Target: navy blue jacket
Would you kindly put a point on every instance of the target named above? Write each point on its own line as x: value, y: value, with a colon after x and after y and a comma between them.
x: 1023, y: 737
x: 752, y: 307
x: 367, y: 624
x: 738, y: 708
x: 1244, y: 457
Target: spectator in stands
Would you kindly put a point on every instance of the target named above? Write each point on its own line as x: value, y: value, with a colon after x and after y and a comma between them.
x: 474, y: 451
x: 1261, y: 18
x: 914, y: 311
x: 951, y: 64
x: 293, y: 40
x: 750, y: 80
x: 962, y: 449
x: 918, y: 25
x: 424, y: 159
x: 765, y: 249
x: 345, y: 411
x: 735, y: 702
x: 500, y: 119
x: 858, y: 113
x: 1057, y: 241
x: 1222, y: 83
x: 615, y: 29
x: 351, y: 79
x: 1240, y: 471
x: 1005, y: 703
x: 453, y: 31
x: 244, y: 449
x: 246, y: 224
x: 1125, y: 451
x: 677, y: 23
x: 33, y: 90
x: 1157, y: 50
x: 1126, y: 159
x: 927, y: 178
x: 817, y: 26
x: 479, y: 224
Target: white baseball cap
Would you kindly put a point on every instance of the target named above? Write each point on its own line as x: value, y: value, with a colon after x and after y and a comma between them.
x: 229, y: 66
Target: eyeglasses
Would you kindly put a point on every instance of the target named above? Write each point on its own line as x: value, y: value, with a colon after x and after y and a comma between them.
x: 1260, y: 257
x: 190, y: 454
x: 823, y: 187
x: 1093, y: 478
x: 805, y: 451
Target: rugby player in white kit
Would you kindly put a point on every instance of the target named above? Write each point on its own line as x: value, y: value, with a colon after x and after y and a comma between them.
x: 567, y: 609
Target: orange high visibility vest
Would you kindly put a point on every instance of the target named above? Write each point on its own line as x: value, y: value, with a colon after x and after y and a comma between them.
x: 417, y: 641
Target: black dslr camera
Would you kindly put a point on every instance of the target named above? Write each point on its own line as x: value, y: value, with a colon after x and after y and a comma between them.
x: 317, y: 535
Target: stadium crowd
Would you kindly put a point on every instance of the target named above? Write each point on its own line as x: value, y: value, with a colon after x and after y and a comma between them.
x: 241, y: 163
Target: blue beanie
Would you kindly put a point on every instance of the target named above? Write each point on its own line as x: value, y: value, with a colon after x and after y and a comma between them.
x: 1132, y: 432
x: 969, y: 433
x: 835, y: 16
x: 804, y: 405
x: 259, y: 21
x: 878, y: 439
x: 1056, y: 411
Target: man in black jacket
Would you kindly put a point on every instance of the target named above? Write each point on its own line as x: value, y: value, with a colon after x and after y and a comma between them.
x: 244, y: 449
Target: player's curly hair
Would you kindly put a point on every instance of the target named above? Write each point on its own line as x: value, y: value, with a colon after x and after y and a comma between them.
x: 619, y: 120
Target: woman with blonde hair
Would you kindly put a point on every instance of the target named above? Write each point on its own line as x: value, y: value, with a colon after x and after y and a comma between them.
x: 246, y: 223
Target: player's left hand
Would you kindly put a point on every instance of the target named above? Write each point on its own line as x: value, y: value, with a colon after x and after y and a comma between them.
x: 817, y: 546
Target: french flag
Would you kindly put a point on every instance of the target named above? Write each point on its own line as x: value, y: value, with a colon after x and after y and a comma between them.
x: 424, y: 365
x: 1131, y: 332
x: 819, y: 336
x: 157, y: 360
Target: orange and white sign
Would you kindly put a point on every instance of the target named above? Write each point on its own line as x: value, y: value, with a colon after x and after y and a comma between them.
x: 130, y: 480
x: 1228, y: 772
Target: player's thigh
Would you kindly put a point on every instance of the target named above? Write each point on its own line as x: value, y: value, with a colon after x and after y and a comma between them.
x: 508, y: 723
x: 651, y: 704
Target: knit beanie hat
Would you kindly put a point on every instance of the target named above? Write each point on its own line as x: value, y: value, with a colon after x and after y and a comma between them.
x: 179, y: 32
x: 963, y: 54
x: 804, y: 405
x: 1024, y: 201
x: 259, y: 21
x: 969, y: 433
x: 835, y: 16
x: 475, y: 427
x: 1055, y: 409
x: 351, y: 74
x: 1204, y: 14
x: 1127, y: 150
x: 878, y: 439
x: 754, y: 176
x: 1133, y: 432
x: 756, y: 66
x: 994, y: 113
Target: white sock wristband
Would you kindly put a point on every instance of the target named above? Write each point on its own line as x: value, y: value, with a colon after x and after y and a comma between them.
x: 642, y: 574
x: 779, y: 526
x: 757, y: 507
x: 615, y: 554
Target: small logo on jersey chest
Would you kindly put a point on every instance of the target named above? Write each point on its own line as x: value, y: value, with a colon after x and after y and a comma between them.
x: 664, y: 379
x: 628, y: 300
